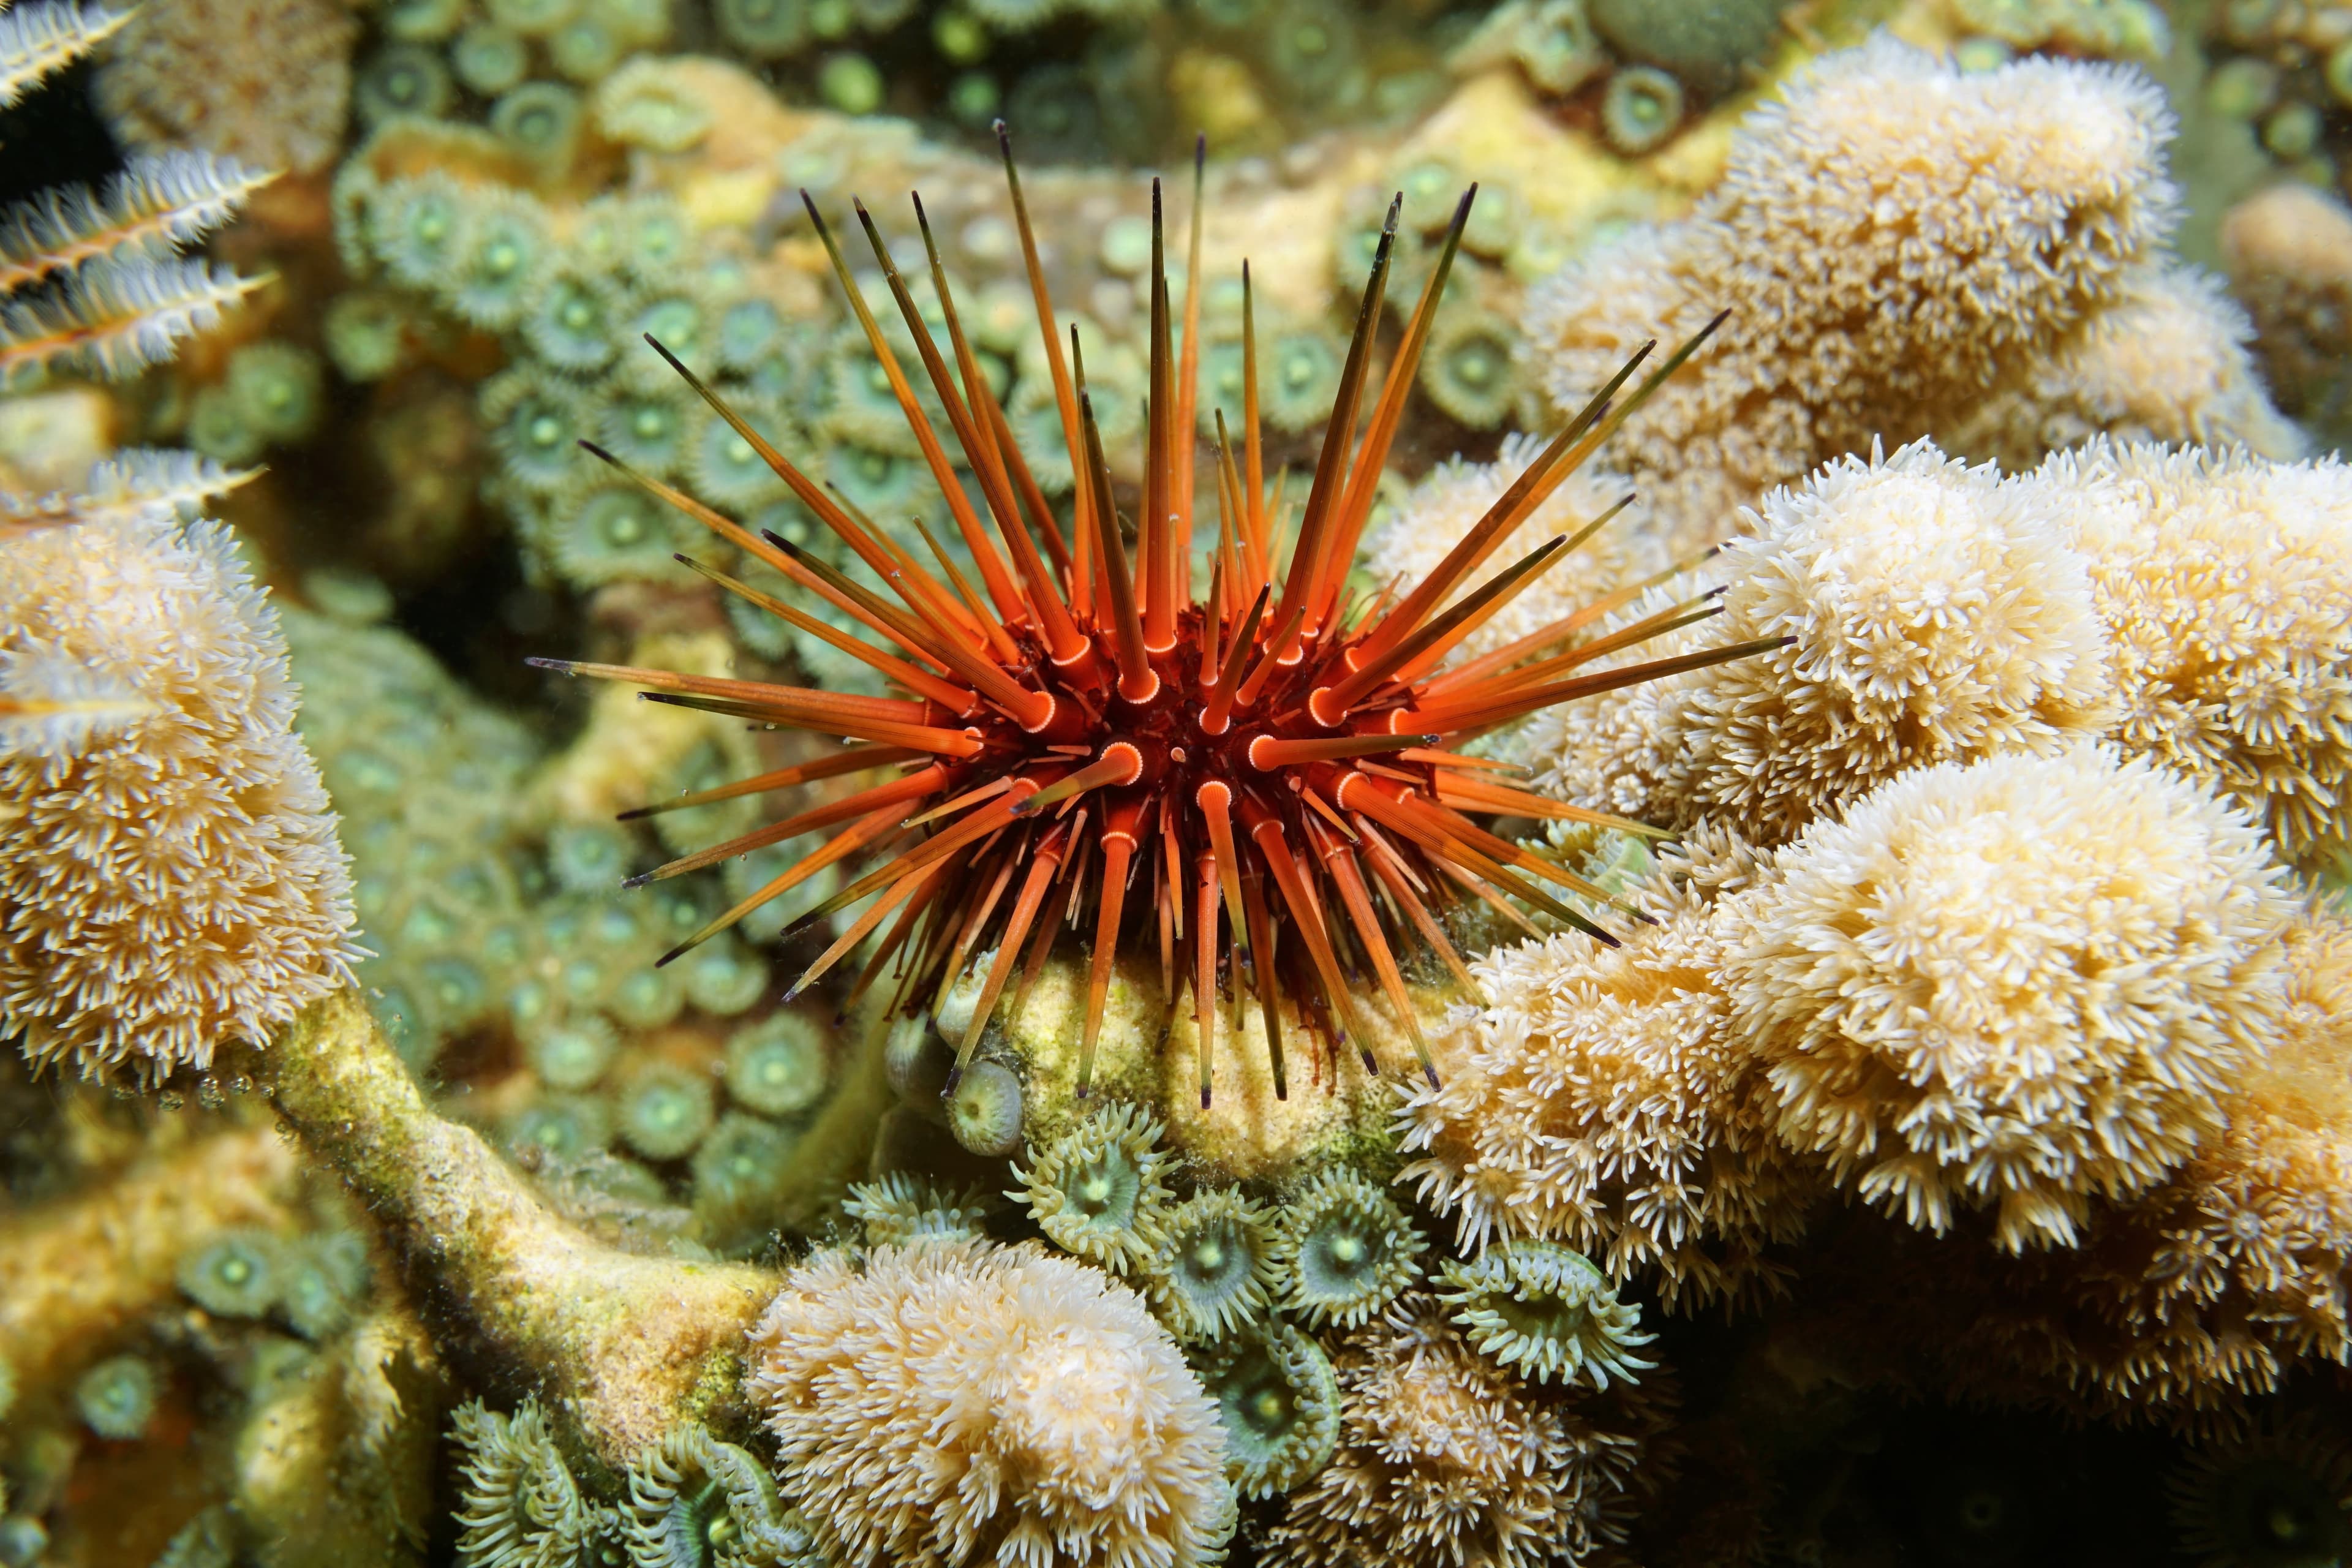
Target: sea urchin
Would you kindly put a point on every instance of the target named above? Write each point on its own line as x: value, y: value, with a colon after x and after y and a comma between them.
x: 1276, y: 760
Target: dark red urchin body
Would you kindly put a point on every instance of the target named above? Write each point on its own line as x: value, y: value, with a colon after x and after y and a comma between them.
x: 1082, y: 736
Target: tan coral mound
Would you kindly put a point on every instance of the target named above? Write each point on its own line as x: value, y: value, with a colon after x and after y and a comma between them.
x: 963, y: 1402
x: 1891, y: 242
x: 2288, y: 251
x: 2169, y: 360
x: 268, y: 82
x: 1444, y: 1458
x: 1413, y: 538
x: 2022, y: 981
x: 2226, y: 584
x: 1935, y: 613
x: 1601, y: 1099
x: 170, y: 881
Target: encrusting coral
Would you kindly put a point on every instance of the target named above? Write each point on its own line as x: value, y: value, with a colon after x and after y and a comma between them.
x: 173, y: 880
x: 1893, y: 241
x: 957, y: 1402
x: 621, y: 1344
x: 74, y: 1271
x: 335, y: 1458
x: 237, y: 1276
x: 117, y: 1397
x: 1936, y: 985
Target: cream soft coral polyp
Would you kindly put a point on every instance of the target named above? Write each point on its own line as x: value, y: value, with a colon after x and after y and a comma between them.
x: 2022, y: 983
x: 957, y: 1402
x: 2262, y: 1219
x: 1891, y: 236
x: 173, y: 882
x: 1933, y: 613
x: 1602, y: 1100
x: 1445, y: 1458
x: 2226, y: 584
x: 1448, y: 502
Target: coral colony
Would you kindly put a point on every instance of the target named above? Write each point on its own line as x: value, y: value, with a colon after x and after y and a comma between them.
x: 1243, y: 884
x: 1267, y: 751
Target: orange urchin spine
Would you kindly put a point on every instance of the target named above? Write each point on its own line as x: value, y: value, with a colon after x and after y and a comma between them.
x: 1085, y: 733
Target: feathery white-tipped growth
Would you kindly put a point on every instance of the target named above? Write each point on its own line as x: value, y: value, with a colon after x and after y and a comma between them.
x: 2170, y: 360
x: 51, y: 706
x: 157, y: 205
x: 926, y: 1399
x: 1602, y: 1100
x: 168, y: 880
x: 36, y: 40
x: 137, y: 477
x: 114, y: 316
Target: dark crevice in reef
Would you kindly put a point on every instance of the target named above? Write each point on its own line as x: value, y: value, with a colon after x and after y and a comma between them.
x: 53, y: 136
